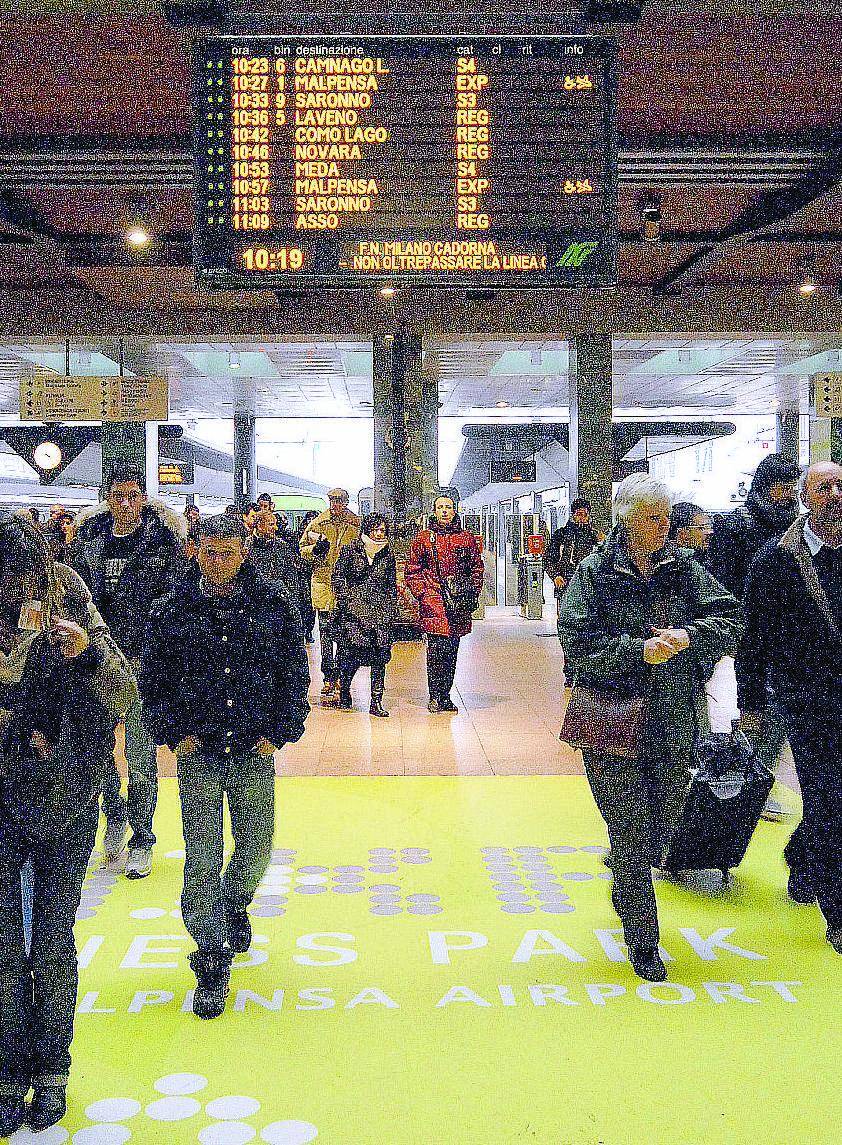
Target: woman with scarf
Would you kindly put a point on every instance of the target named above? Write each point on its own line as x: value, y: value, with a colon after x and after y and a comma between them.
x: 366, y: 589
x: 444, y: 573
x: 63, y: 686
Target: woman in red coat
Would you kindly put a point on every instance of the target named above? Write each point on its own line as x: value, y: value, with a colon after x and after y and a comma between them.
x: 444, y: 572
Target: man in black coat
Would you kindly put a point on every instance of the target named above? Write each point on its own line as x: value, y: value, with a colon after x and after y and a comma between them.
x: 130, y: 553
x: 770, y: 508
x: 569, y: 545
x: 793, y: 638
x: 224, y: 681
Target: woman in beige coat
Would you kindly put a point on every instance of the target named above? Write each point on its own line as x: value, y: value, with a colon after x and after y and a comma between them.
x: 321, y: 544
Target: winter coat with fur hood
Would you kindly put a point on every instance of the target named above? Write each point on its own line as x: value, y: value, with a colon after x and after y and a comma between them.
x: 152, y: 572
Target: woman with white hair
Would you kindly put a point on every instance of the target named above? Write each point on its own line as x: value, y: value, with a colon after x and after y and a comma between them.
x: 642, y: 621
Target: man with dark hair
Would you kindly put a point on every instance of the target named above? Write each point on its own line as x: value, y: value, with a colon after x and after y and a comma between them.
x: 691, y: 528
x: 266, y: 501
x: 249, y: 516
x: 793, y: 640
x: 770, y: 509
x: 569, y: 545
x: 130, y: 552
x: 224, y: 681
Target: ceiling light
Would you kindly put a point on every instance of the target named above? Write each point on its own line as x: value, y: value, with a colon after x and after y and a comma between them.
x: 650, y: 214
x: 234, y: 360
x: 388, y: 291
x: 138, y: 237
x: 808, y: 284
x: 502, y: 405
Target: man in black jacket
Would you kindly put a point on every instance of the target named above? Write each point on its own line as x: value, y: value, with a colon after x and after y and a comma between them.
x: 569, y: 545
x: 130, y: 553
x: 793, y: 638
x: 224, y: 681
x: 770, y: 508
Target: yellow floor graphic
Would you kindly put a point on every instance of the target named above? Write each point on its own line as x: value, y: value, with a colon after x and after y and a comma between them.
x: 436, y: 962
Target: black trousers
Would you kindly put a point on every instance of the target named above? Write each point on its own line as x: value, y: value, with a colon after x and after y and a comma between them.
x: 641, y: 802
x: 442, y: 652
x: 38, y: 992
x: 815, y: 849
x: 329, y: 647
x: 350, y: 664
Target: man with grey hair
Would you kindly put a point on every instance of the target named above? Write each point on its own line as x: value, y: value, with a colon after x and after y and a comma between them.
x: 793, y: 639
x: 642, y: 618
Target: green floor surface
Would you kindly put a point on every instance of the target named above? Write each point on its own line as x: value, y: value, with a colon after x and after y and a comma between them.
x: 496, y: 1006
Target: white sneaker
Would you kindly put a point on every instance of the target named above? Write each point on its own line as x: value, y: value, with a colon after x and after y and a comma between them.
x: 139, y: 862
x: 114, y: 840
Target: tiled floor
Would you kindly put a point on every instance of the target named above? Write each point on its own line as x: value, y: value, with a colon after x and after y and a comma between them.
x: 509, y: 692
x: 509, y: 689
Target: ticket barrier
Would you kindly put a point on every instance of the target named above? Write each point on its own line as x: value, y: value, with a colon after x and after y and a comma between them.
x: 531, y: 570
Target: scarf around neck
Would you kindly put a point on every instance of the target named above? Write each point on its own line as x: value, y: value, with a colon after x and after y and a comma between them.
x: 372, y: 548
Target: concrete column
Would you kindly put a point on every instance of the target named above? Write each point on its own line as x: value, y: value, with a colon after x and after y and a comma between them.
x: 405, y: 427
x: 787, y: 430
x: 591, y: 407
x: 245, y: 458
x: 125, y: 443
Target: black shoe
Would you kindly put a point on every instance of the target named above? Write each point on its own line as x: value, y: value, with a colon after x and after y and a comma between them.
x: 345, y: 702
x: 800, y: 888
x: 12, y: 1115
x: 646, y: 963
x: 376, y: 707
x: 213, y: 972
x: 239, y: 930
x: 49, y: 1105
x: 447, y: 705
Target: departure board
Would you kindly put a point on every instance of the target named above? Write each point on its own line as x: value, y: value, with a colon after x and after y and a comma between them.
x: 476, y: 162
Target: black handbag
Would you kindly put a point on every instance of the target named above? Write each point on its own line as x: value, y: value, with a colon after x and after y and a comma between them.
x: 457, y: 592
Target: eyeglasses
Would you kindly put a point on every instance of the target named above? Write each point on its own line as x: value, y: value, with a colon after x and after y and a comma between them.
x: 129, y: 498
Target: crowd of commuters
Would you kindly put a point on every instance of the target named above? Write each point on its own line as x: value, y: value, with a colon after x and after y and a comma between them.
x: 191, y: 632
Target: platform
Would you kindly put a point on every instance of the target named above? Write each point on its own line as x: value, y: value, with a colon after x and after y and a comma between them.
x: 436, y: 962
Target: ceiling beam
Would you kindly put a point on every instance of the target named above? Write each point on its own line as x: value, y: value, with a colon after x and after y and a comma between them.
x: 771, y: 207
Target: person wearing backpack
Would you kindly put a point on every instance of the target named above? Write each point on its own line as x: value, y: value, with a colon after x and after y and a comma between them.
x: 444, y: 572
x: 63, y: 685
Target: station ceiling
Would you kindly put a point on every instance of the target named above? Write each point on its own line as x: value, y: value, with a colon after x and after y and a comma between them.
x: 498, y: 378
x: 728, y: 111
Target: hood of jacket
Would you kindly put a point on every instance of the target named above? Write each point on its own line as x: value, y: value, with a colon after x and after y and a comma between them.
x: 772, y: 519
x: 98, y: 519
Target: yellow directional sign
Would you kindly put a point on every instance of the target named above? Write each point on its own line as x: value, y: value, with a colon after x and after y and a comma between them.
x: 827, y: 395
x: 49, y: 397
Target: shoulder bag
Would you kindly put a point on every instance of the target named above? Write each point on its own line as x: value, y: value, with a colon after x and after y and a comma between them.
x: 458, y: 593
x: 604, y: 721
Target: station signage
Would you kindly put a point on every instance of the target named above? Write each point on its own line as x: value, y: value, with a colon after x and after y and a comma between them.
x: 478, y: 161
x: 49, y: 397
x: 827, y: 395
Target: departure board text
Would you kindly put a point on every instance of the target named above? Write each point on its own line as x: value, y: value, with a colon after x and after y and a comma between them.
x: 486, y: 161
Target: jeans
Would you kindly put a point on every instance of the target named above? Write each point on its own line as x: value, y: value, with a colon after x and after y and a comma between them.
x: 330, y: 648
x: 142, y: 761
x: 38, y: 993
x: 248, y: 780
x: 641, y: 802
x: 442, y: 652
x: 815, y: 850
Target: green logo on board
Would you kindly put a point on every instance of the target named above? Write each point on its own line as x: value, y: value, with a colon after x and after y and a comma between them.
x: 576, y: 254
